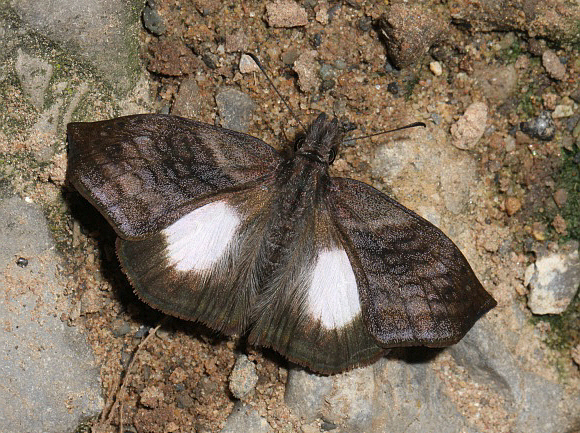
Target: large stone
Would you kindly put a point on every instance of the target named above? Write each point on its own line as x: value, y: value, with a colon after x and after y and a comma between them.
x: 102, y: 33
x: 50, y: 381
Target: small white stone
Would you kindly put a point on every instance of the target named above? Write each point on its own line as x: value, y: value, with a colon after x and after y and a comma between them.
x: 436, y: 68
x: 562, y: 111
x: 247, y: 65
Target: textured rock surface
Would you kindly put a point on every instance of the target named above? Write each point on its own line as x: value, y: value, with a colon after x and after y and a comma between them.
x: 102, y: 33
x: 536, y: 403
x: 49, y: 379
x: 391, y: 395
x: 554, y: 20
x: 245, y: 419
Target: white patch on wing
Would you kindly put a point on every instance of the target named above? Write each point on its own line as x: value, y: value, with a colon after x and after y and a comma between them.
x: 196, y: 241
x: 333, y: 293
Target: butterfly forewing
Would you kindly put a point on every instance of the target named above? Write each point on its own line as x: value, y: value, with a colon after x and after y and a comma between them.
x: 416, y: 287
x: 204, y: 266
x: 141, y: 171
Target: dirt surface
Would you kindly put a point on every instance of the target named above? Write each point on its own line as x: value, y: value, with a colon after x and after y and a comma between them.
x: 179, y: 380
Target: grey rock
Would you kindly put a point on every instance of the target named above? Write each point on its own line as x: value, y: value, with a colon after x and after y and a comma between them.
x: 187, y: 101
x: 305, y: 393
x: 243, y: 377
x: 413, y: 400
x: 102, y: 32
x: 246, y: 419
x: 50, y: 381
x: 382, y: 397
x: 34, y: 74
x: 553, y: 279
x: 152, y: 20
x: 541, y: 127
x: 235, y: 109
x: 408, y: 32
x: 326, y: 72
x: 538, y: 404
x: 352, y: 402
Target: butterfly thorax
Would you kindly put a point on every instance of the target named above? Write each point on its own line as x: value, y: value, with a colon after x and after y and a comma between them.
x: 301, y: 183
x: 321, y: 141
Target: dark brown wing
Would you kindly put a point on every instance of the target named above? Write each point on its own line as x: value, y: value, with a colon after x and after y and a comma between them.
x: 416, y: 287
x: 309, y: 310
x: 205, y: 265
x: 139, y: 171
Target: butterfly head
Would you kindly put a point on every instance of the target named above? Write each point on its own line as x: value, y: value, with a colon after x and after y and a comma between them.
x: 322, y: 140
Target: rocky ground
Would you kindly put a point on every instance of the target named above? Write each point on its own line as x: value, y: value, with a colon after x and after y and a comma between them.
x: 497, y: 168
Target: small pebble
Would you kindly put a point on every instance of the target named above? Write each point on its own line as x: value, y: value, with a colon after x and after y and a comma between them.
x: 243, y: 377
x: 562, y: 111
x: 549, y: 100
x: 393, y: 88
x: 541, y: 127
x: 235, y: 109
x: 512, y: 205
x: 575, y: 95
x: 247, y: 64
x: 553, y: 66
x: 559, y: 224
x: 327, y: 85
x: 436, y: 68
x: 151, y: 397
x: 340, y: 64
x: 121, y: 329
x: 467, y: 131
x: 560, y: 197
x: 576, y: 354
x: 286, y: 13
x: 152, y: 21
x: 553, y: 279
x: 306, y: 67
x: 321, y: 10
x: 290, y: 56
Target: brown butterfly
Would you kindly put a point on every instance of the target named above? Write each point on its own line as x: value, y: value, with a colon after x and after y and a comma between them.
x: 219, y: 227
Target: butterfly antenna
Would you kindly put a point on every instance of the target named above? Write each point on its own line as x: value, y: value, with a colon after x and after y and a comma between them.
x: 255, y: 59
x: 411, y: 125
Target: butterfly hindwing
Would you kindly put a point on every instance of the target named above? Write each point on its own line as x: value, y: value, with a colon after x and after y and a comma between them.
x: 419, y: 288
x: 309, y: 310
x: 141, y: 170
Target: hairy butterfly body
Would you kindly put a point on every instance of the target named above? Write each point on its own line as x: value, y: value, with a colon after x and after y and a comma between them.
x: 217, y: 226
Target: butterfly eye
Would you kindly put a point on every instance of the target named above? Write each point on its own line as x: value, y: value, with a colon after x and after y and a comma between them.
x: 298, y: 144
x: 331, y: 155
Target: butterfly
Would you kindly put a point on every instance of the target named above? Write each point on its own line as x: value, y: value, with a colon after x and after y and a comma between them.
x: 217, y: 226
